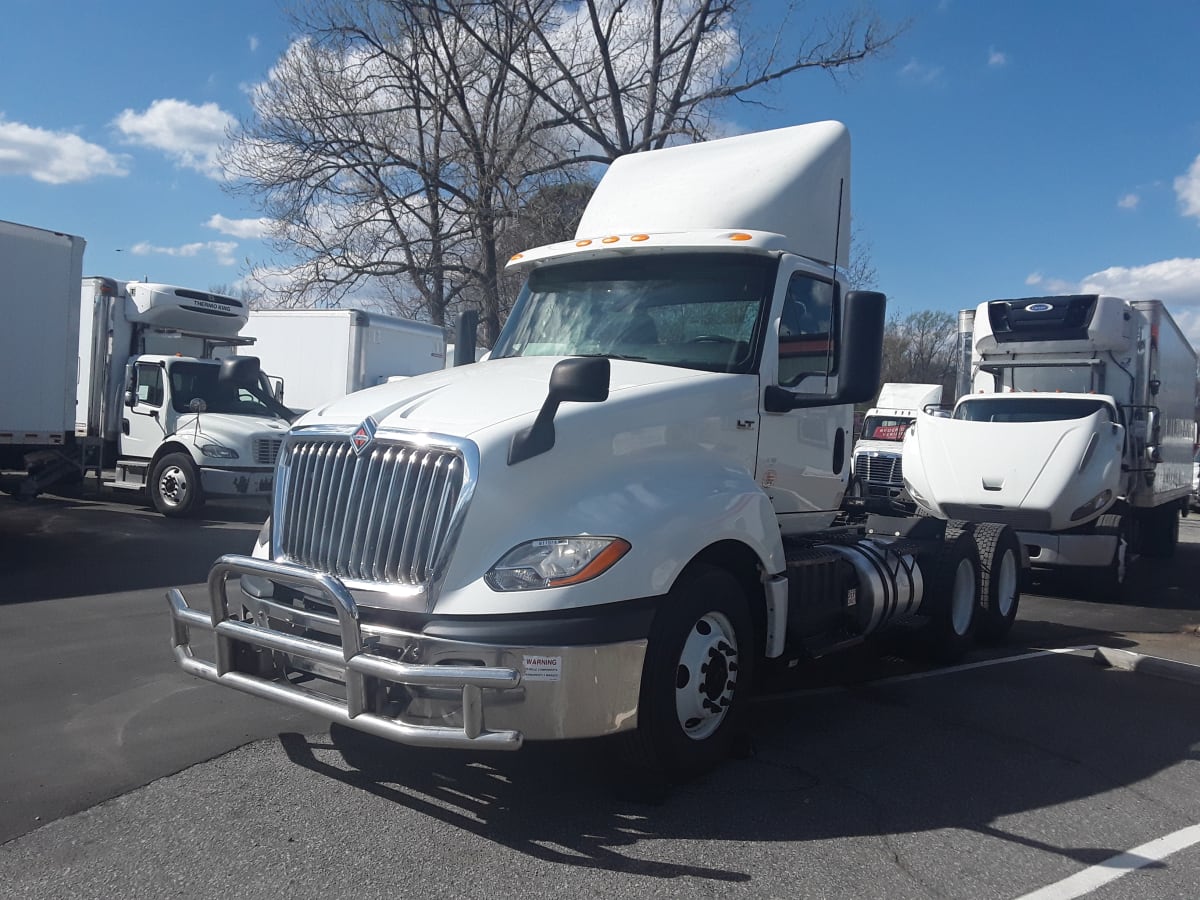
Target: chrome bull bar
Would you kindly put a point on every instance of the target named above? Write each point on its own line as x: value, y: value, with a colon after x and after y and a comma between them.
x: 352, y: 660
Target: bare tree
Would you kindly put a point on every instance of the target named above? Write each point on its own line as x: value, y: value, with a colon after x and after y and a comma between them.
x: 920, y: 348
x: 397, y: 142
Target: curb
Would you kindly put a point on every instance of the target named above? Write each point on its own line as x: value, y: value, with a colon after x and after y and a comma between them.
x: 1149, y: 665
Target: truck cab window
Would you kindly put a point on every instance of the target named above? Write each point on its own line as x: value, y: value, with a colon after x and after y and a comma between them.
x: 150, y: 384
x: 806, y: 329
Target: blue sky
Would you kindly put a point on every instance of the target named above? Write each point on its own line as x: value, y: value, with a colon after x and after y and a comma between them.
x: 1001, y: 149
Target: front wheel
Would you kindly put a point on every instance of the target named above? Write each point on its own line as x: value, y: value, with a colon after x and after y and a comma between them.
x: 175, y: 486
x: 696, y: 677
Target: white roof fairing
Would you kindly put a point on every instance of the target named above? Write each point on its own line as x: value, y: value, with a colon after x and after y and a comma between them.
x: 789, y: 181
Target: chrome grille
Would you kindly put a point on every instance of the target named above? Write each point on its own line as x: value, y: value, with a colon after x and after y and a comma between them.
x: 266, y: 450
x: 879, y: 469
x: 381, y: 517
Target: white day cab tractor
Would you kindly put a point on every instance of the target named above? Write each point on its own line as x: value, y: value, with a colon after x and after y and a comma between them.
x: 618, y: 521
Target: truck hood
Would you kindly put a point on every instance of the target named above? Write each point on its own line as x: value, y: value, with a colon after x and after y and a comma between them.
x: 1036, y: 476
x: 229, y: 430
x: 464, y: 400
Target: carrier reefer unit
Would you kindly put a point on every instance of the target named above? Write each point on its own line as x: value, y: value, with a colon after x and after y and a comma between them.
x: 627, y: 510
x: 1079, y: 432
x: 321, y: 355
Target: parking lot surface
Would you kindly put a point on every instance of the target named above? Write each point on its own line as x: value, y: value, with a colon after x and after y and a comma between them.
x: 871, y: 777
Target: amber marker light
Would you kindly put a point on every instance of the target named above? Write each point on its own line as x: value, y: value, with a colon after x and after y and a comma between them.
x: 516, y: 256
x: 640, y: 237
x: 583, y: 243
x: 740, y: 236
x: 611, y: 239
x: 604, y: 561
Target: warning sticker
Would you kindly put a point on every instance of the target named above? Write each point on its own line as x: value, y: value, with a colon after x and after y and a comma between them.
x: 543, y: 668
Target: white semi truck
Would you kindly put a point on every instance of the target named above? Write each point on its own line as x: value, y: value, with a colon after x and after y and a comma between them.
x: 877, y: 467
x: 627, y: 511
x: 1079, y: 433
x: 320, y: 355
x: 125, y: 381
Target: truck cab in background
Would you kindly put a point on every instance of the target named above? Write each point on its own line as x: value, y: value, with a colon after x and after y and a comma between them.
x: 163, y: 404
x: 1079, y: 433
x: 877, y: 468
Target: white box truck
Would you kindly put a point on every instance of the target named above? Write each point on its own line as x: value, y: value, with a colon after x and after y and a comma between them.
x: 132, y: 388
x: 610, y: 524
x: 877, y: 467
x: 1079, y: 433
x: 323, y: 354
x: 39, y: 364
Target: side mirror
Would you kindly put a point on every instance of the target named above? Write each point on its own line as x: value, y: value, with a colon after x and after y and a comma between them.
x: 130, y: 398
x: 860, y: 358
x: 240, y: 371
x: 576, y: 380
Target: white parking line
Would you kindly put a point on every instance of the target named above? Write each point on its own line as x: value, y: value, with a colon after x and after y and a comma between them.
x: 1122, y: 864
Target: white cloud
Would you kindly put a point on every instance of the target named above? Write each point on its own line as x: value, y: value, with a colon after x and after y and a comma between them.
x: 996, y: 58
x: 921, y: 73
x: 253, y: 40
x: 241, y: 228
x: 1174, y: 281
x: 222, y: 250
x: 54, y: 157
x: 1033, y: 278
x: 1129, y: 201
x: 1187, y: 189
x: 191, y: 135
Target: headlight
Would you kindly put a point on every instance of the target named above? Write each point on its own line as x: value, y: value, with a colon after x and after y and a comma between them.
x: 217, y: 451
x: 555, y: 562
x: 1096, y: 503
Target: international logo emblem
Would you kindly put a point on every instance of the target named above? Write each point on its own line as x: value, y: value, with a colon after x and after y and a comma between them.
x: 363, y: 436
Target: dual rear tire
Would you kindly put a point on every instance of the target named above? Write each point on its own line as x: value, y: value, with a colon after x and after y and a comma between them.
x: 975, y: 586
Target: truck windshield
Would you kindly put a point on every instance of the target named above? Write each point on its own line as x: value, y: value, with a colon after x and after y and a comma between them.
x: 1029, y: 409
x: 687, y: 310
x: 198, y: 381
x: 884, y: 428
x: 1075, y: 379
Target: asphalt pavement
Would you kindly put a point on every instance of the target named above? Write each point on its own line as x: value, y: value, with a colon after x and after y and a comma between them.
x: 869, y: 775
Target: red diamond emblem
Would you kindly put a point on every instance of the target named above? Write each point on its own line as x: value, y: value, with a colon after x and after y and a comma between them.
x: 363, y: 436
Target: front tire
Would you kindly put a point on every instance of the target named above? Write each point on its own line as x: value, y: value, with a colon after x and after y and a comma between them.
x: 696, y: 677
x: 175, y: 487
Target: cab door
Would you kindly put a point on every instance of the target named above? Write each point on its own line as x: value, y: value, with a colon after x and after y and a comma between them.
x: 803, y: 456
x: 144, y: 420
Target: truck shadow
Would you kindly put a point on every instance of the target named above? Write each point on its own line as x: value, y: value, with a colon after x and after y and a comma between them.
x: 883, y: 760
x: 54, y: 547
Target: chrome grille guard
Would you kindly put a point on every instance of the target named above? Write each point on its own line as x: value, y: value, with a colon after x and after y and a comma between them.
x: 352, y: 660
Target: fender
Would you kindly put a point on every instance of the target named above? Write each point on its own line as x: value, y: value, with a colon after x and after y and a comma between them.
x: 657, y: 507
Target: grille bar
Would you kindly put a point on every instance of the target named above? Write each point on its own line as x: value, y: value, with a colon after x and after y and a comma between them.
x: 880, y: 469
x: 383, y: 517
